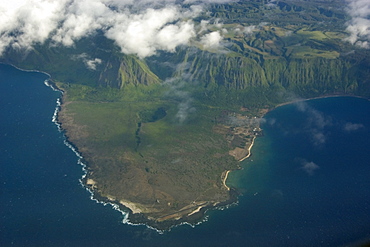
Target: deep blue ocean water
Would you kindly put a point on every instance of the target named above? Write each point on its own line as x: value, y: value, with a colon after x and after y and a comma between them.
x: 307, y: 182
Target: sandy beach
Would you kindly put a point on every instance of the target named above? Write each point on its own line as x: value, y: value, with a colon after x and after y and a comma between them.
x: 224, y: 180
x: 246, y: 157
x: 131, y: 206
x: 249, y: 150
x: 196, y: 210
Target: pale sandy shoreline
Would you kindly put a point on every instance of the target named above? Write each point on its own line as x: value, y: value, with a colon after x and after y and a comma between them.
x: 279, y: 105
x: 132, y: 206
x: 196, y: 210
x: 225, y: 178
x: 249, y: 150
x: 319, y: 97
x: 246, y: 157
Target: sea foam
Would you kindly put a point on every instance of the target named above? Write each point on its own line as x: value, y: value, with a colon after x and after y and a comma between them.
x: 115, y: 206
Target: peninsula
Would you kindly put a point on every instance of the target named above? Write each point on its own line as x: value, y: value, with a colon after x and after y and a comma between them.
x: 162, y: 171
x: 160, y: 134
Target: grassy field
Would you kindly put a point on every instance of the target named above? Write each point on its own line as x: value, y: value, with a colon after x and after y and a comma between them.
x: 162, y: 165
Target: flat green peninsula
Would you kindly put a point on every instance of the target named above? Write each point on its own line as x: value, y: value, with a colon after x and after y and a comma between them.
x: 141, y: 156
x: 159, y: 134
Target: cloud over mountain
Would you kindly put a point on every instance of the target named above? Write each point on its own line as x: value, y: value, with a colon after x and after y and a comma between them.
x: 137, y: 27
x: 359, y: 25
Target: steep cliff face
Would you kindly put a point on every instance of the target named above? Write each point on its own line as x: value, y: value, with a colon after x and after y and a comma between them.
x: 228, y: 71
x: 82, y: 65
x: 318, y: 76
x: 126, y: 69
x: 135, y: 71
x: 305, y: 77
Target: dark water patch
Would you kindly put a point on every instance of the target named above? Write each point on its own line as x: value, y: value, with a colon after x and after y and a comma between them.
x: 150, y: 116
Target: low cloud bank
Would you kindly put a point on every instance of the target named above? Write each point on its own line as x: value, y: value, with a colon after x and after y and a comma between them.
x: 359, y: 25
x: 138, y: 27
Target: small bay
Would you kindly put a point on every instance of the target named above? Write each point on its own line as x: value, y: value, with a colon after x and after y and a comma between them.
x: 306, y: 183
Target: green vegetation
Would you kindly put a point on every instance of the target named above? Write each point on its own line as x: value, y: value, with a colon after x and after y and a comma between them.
x: 157, y: 132
x: 173, y: 164
x: 149, y: 115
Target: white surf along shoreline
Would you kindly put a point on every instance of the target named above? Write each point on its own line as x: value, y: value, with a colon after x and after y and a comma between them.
x: 115, y: 206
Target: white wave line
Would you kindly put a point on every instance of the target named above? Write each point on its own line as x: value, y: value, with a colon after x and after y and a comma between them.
x: 54, y: 119
x: 115, y: 206
x: 48, y: 84
x: 28, y: 70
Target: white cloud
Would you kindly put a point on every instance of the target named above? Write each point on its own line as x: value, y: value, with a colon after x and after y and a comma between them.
x: 177, y: 90
x: 318, y: 137
x: 143, y: 34
x: 89, y: 63
x: 184, y: 109
x: 316, y: 122
x: 82, y: 18
x: 349, y: 127
x: 211, y: 40
x: 245, y: 30
x: 359, y: 25
x: 139, y: 27
x: 26, y: 22
x: 309, y: 167
x: 248, y: 30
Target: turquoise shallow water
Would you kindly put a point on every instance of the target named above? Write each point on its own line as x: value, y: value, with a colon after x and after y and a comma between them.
x: 308, y: 177
x: 306, y: 184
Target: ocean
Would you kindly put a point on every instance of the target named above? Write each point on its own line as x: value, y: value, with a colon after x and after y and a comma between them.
x: 306, y: 183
